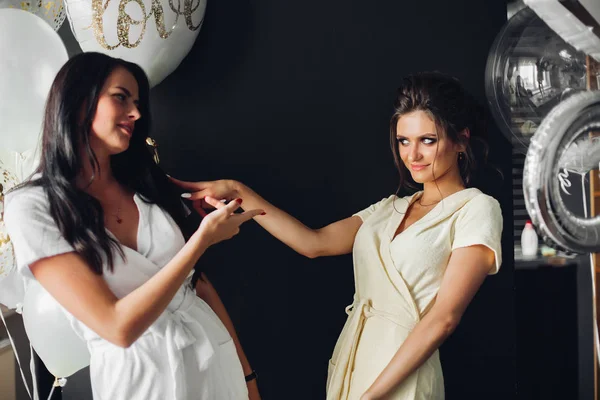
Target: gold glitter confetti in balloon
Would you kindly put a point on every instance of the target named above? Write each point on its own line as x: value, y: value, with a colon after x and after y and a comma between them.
x: 7, y: 256
x: 51, y: 11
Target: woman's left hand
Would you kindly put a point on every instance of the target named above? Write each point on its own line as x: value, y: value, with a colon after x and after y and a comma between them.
x: 253, y: 391
x: 206, y: 291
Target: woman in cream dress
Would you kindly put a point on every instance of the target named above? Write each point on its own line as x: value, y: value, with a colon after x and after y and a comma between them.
x: 418, y: 259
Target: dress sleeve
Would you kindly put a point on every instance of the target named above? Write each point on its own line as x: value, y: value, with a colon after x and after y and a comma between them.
x: 364, y: 214
x: 480, y: 223
x: 31, y: 228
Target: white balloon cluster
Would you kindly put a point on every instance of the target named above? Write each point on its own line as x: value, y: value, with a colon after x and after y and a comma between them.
x: 32, y: 54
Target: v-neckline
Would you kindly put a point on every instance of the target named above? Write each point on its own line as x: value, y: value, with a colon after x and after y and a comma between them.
x: 412, y: 200
x: 138, y: 229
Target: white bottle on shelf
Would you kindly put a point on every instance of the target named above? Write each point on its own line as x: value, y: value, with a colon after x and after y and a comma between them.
x: 529, y: 241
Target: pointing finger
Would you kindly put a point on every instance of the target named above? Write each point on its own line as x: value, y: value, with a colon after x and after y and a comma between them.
x: 214, y: 202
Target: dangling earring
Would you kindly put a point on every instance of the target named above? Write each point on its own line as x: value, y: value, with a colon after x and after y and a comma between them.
x: 461, y: 155
x: 152, y: 143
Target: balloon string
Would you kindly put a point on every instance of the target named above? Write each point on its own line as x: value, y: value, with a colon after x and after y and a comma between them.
x: 584, y: 196
x: 33, y: 374
x: 57, y: 382
x: 16, y: 355
x: 51, y: 391
x: 595, y: 317
x: 593, y: 270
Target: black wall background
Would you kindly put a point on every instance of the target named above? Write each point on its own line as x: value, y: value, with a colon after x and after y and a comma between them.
x: 294, y: 99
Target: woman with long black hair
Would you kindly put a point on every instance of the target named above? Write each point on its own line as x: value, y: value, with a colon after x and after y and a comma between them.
x: 101, y: 227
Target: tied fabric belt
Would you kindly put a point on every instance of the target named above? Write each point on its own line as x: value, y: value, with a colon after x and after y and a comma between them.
x: 178, y: 329
x: 359, y: 312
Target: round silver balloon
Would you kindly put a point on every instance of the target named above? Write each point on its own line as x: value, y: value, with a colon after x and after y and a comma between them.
x: 563, y: 151
x: 530, y: 69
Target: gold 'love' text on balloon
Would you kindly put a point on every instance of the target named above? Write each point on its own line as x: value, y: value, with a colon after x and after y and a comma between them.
x: 124, y: 20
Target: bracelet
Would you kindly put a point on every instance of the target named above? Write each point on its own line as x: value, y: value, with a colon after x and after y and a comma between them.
x: 252, y: 376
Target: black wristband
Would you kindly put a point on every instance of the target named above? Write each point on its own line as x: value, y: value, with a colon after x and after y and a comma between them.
x: 252, y: 376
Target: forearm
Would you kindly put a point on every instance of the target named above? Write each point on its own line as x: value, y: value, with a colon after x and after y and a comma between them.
x: 421, y: 343
x: 280, y: 224
x: 211, y: 297
x: 218, y: 307
x: 140, y: 308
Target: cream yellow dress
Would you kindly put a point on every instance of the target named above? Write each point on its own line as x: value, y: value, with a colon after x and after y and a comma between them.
x: 397, y: 280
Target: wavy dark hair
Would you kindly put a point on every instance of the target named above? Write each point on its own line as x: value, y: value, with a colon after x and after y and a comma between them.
x: 453, y: 110
x: 70, y: 110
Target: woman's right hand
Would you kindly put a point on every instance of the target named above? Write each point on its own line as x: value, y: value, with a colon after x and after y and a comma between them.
x: 223, y: 189
x: 223, y: 224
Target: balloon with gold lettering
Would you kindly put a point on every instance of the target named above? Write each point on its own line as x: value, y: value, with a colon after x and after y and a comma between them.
x: 51, y: 11
x: 155, y: 34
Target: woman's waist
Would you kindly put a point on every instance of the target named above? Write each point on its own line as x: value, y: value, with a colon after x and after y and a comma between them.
x: 178, y: 323
x: 365, y: 309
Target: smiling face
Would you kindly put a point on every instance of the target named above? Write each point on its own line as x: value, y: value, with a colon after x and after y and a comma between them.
x: 116, y: 113
x: 426, y: 152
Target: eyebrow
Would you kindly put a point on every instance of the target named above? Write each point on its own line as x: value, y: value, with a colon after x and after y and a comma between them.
x: 421, y: 136
x: 128, y: 93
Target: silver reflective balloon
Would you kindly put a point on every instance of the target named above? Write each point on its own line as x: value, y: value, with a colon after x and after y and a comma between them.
x: 530, y: 69
x: 564, y: 143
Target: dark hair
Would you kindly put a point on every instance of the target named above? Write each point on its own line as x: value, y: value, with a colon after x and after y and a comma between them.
x: 70, y: 110
x: 453, y: 110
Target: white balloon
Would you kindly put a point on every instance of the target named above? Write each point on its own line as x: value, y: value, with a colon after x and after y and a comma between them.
x: 51, y: 334
x: 155, y: 34
x: 21, y: 164
x: 51, y: 11
x: 31, y: 56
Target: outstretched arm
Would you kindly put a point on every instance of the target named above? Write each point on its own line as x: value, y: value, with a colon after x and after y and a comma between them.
x: 334, y: 239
